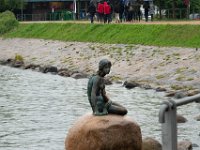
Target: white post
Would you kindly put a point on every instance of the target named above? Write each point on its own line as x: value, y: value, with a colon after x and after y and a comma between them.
x: 74, y: 13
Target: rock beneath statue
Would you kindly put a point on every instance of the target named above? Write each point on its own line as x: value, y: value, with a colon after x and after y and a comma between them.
x: 149, y: 143
x: 109, y: 132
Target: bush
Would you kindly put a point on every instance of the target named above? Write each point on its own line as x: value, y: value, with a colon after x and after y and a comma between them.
x: 18, y: 57
x: 7, y: 22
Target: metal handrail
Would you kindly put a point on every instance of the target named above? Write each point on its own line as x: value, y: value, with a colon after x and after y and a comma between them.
x: 163, y: 109
x: 167, y: 117
x: 187, y: 100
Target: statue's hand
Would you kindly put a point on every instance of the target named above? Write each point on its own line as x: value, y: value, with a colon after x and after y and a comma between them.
x: 100, y: 110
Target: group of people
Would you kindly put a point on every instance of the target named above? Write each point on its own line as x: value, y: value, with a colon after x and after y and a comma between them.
x: 129, y: 10
x: 124, y: 10
x: 102, y: 9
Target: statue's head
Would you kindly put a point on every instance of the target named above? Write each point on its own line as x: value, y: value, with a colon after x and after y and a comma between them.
x: 104, y: 66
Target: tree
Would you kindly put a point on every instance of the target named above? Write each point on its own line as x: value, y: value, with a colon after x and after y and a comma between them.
x: 195, y: 6
x: 2, y: 5
x: 11, y: 5
x: 177, y: 4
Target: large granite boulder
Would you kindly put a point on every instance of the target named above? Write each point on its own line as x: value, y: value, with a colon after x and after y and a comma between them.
x: 110, y: 132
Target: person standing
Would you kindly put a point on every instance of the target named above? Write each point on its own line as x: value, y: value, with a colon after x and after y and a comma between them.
x: 111, y: 12
x: 151, y: 10
x: 121, y: 10
x: 146, y: 10
x: 107, y: 11
x: 139, y: 14
x: 92, y: 11
x: 100, y: 9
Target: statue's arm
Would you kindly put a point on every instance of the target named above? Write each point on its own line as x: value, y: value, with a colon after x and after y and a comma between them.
x: 95, y: 88
x: 105, y: 97
x: 103, y: 91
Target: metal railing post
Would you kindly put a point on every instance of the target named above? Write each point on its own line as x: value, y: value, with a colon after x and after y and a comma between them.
x: 167, y: 117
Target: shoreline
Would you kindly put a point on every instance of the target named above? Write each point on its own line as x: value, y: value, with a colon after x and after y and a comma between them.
x: 174, y: 70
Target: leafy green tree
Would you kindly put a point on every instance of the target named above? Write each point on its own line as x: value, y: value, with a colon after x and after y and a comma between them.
x: 2, y: 5
x: 195, y: 6
x: 11, y: 5
x: 177, y: 4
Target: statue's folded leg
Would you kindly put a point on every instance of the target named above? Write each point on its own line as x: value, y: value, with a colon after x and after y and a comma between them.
x: 117, y: 109
x: 100, y: 109
x: 117, y: 104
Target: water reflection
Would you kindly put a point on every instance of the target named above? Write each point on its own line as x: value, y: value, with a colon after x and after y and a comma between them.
x: 36, y: 110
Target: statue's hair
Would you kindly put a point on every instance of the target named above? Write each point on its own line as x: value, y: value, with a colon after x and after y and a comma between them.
x: 104, y: 62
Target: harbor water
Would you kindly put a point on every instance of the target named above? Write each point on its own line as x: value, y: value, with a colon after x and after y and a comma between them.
x: 37, y: 110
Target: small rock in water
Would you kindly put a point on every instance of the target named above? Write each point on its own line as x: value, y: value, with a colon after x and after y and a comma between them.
x: 151, y: 144
x: 195, y: 145
x: 197, y: 118
x: 130, y: 84
x: 180, y: 119
x: 160, y: 89
x: 179, y: 95
x: 185, y: 145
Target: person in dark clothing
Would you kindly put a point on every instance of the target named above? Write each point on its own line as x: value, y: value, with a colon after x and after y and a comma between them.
x: 138, y: 10
x: 116, y: 11
x: 121, y: 10
x: 146, y: 9
x: 92, y: 11
x: 111, y: 12
x: 130, y: 11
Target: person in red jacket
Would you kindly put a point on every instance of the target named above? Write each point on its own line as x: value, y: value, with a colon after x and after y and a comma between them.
x: 107, y: 12
x: 100, y: 9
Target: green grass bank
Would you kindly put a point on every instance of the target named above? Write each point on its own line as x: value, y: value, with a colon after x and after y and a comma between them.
x: 145, y: 34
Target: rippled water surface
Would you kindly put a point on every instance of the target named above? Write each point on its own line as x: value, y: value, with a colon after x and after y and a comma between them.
x: 36, y: 110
